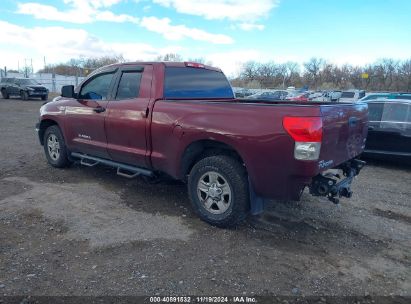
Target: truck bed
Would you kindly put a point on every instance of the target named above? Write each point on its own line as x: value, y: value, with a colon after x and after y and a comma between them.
x: 254, y: 128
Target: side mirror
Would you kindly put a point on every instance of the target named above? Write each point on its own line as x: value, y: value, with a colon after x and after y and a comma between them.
x: 68, y: 91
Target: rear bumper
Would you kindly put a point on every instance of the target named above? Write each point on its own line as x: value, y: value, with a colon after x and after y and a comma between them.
x: 331, y: 186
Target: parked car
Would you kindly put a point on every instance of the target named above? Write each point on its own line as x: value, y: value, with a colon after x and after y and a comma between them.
x: 299, y: 97
x: 181, y: 119
x: 23, y: 87
x: 271, y: 95
x: 351, y: 95
x: 315, y: 95
x: 386, y: 95
x: 319, y: 96
x: 242, y: 92
x: 389, y: 132
x: 375, y: 96
x: 334, y: 95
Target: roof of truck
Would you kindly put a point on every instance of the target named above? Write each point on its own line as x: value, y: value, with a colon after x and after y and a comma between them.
x: 167, y: 63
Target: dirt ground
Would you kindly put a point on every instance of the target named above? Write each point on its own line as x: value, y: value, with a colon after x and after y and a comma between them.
x: 87, y: 231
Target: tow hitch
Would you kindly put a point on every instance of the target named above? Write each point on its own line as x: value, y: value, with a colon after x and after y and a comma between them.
x: 332, y: 186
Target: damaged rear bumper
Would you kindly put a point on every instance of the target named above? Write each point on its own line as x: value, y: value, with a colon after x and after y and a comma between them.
x: 334, y: 186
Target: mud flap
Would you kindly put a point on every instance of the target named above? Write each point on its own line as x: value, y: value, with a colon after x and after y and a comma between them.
x: 256, y: 202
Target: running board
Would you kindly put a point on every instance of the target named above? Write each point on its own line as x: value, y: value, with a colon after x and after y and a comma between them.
x: 122, y: 169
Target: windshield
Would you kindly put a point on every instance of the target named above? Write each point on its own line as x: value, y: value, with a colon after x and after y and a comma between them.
x: 27, y: 81
x: 375, y: 96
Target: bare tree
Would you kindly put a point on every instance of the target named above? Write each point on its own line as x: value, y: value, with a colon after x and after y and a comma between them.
x: 405, y: 75
x: 313, y: 68
x: 249, y: 71
x: 170, y: 57
x: 201, y: 60
x: 81, y: 66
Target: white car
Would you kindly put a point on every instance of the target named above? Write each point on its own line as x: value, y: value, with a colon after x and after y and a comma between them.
x: 352, y: 95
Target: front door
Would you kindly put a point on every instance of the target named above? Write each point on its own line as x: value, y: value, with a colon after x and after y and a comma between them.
x: 127, y: 115
x: 85, y: 116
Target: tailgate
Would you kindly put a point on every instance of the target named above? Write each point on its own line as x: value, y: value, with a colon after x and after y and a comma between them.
x: 345, y: 129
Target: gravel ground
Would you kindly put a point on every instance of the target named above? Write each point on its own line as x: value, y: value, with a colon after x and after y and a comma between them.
x: 87, y: 231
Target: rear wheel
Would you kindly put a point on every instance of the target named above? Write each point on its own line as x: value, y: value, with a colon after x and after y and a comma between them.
x: 44, y: 97
x: 55, y: 147
x: 24, y: 95
x: 5, y: 94
x: 218, y: 189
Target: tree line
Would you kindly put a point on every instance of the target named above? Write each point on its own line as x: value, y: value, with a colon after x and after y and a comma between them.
x: 81, y: 66
x: 317, y: 74
x: 383, y: 75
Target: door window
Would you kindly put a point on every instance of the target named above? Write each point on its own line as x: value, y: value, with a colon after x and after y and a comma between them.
x: 129, y: 85
x: 97, y: 88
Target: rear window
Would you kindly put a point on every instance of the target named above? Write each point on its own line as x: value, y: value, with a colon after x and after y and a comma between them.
x: 187, y: 83
x: 347, y: 95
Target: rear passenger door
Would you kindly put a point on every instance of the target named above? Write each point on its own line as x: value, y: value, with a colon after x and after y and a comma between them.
x: 127, y: 120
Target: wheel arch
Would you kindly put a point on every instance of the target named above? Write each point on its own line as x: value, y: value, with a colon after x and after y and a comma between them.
x: 200, y: 149
x: 44, y: 124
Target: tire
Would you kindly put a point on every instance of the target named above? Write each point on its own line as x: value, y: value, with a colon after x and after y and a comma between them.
x: 24, y: 95
x: 5, y: 94
x: 218, y: 190
x: 44, y: 97
x: 55, y: 147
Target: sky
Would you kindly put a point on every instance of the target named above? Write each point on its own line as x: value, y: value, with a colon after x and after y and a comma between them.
x: 225, y: 32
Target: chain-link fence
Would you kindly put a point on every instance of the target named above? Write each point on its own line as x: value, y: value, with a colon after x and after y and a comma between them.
x: 52, y: 82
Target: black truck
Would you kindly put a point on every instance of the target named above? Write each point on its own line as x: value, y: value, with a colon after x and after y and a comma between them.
x: 23, y: 87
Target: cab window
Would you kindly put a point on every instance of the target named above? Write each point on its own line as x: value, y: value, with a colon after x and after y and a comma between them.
x: 97, y: 88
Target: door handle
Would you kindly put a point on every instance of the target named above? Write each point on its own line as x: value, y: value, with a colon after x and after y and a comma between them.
x: 99, y: 109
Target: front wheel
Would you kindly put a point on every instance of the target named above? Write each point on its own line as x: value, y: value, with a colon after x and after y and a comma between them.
x: 218, y: 190
x: 44, y: 97
x: 55, y: 147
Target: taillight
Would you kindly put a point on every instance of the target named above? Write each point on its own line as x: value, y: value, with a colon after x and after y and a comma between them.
x: 306, y: 129
x: 307, y: 133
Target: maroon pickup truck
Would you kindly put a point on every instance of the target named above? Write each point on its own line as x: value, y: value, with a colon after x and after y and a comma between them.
x: 182, y: 120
